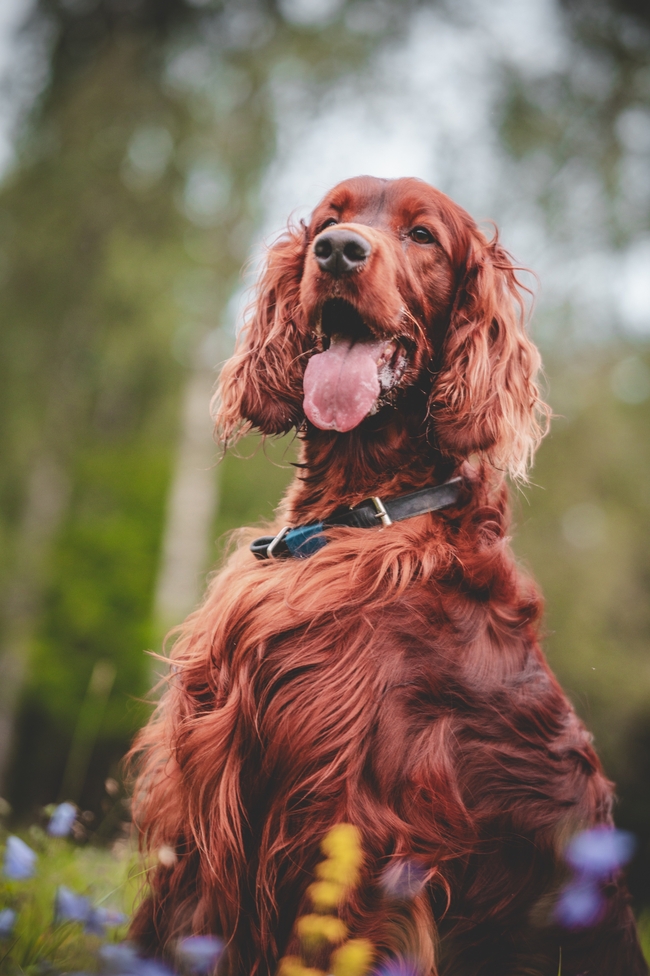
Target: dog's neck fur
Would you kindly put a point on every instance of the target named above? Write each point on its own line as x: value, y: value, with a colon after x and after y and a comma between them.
x: 388, y: 455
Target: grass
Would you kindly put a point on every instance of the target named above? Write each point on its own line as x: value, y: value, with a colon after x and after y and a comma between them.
x: 40, y: 943
x: 644, y: 933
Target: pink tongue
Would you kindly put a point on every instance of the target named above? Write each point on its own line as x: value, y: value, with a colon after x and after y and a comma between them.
x: 342, y: 384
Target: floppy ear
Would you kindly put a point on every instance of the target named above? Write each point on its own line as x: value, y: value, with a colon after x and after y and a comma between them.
x: 261, y: 385
x: 485, y: 397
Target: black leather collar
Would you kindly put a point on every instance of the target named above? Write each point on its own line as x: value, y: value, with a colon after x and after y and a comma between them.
x: 305, y: 540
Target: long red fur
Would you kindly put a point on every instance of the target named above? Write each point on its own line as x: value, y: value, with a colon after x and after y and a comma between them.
x: 394, y: 680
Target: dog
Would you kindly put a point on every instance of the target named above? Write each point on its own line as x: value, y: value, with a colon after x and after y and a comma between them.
x: 376, y: 659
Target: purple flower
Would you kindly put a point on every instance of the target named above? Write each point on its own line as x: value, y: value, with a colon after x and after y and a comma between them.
x: 70, y: 907
x: 403, y: 878
x: 397, y: 967
x: 7, y: 922
x: 580, y: 905
x: 62, y: 820
x: 20, y: 860
x: 100, y: 919
x: 122, y: 959
x: 119, y: 957
x: 600, y: 852
x: 595, y: 856
x: 200, y: 953
x: 151, y: 967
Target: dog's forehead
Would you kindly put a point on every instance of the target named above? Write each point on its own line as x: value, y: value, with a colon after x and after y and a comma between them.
x: 377, y: 202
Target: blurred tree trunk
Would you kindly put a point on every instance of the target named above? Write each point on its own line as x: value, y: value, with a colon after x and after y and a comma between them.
x: 191, y: 507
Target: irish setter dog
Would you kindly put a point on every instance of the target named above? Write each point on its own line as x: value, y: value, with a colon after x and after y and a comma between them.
x: 393, y: 679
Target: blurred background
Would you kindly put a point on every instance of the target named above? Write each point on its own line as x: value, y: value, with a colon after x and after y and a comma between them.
x: 148, y: 148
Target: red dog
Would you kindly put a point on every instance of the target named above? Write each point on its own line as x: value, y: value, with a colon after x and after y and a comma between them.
x: 393, y: 679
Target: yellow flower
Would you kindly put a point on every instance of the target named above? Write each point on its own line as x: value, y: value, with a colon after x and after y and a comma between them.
x: 315, y: 929
x: 326, y: 895
x: 353, y: 958
x: 337, y: 874
x: 342, y: 845
x: 293, y: 966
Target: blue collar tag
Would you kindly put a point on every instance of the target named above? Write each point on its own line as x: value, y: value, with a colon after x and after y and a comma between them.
x: 305, y: 540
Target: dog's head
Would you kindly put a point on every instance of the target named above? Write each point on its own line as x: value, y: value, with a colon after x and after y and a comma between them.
x: 390, y: 296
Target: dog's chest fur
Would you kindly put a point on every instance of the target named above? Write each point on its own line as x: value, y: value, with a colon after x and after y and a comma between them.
x: 430, y: 705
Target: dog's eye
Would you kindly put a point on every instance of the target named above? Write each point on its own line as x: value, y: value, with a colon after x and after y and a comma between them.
x: 328, y: 223
x: 422, y: 236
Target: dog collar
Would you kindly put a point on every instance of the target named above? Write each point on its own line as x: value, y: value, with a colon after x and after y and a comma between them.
x: 305, y: 540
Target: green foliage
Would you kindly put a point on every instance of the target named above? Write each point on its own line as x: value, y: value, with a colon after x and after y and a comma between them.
x: 644, y: 934
x: 102, y: 571
x: 578, y: 119
x: 585, y: 529
x: 253, y: 478
x: 90, y: 380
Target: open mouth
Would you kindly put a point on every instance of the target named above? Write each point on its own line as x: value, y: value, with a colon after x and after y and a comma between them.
x: 356, y: 372
x: 340, y: 318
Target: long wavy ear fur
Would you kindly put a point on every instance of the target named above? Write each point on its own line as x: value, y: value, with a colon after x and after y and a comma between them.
x: 261, y: 385
x: 485, y: 398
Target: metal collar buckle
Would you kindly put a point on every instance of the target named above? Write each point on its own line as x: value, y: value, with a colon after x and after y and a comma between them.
x: 381, y: 512
x: 278, y: 539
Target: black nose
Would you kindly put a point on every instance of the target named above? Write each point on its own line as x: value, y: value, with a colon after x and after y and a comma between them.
x: 341, y: 251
